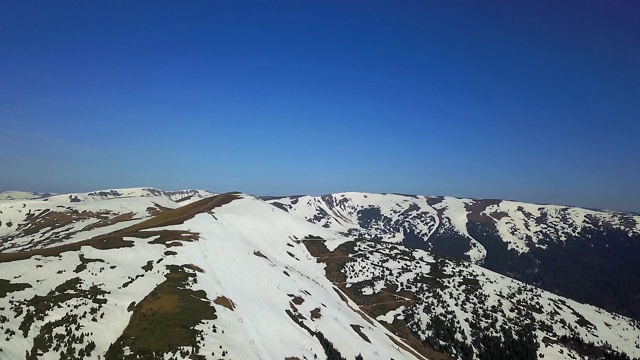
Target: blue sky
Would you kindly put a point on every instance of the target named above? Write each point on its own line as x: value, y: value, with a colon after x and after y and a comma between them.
x: 528, y: 100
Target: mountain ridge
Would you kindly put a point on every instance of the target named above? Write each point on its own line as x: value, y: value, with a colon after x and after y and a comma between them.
x: 250, y: 267
x: 104, y: 194
x: 531, y: 242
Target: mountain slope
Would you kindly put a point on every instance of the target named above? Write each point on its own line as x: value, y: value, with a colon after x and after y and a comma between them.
x: 260, y: 294
x: 544, y: 245
x: 27, y: 224
x: 467, y: 311
x: 230, y: 276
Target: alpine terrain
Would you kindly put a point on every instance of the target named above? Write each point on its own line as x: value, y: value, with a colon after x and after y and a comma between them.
x: 149, y: 274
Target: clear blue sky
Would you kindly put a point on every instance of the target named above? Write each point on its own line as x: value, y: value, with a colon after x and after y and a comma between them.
x: 527, y: 100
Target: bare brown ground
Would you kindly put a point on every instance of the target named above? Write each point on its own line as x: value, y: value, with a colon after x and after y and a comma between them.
x: 371, y: 306
x: 225, y: 301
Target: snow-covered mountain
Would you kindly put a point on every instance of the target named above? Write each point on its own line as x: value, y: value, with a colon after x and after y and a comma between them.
x: 22, y: 195
x: 548, y: 246
x: 178, y: 196
x: 28, y: 223
x: 181, y: 195
x: 230, y: 276
x: 402, y: 218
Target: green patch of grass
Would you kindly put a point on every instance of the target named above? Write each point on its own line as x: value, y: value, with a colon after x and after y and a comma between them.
x: 37, y: 307
x: 168, y: 238
x: 259, y: 254
x: 83, y: 263
x: 104, y: 242
x: 62, y: 341
x: 165, y: 319
x: 131, y: 280
x: 184, y: 213
x: 416, y: 345
x: 437, y: 268
x: 111, y: 221
x: 296, y: 299
x: 471, y: 285
x: 148, y: 267
x: 431, y: 281
x: 358, y: 330
x: 69, y: 285
x: 53, y: 220
x: 7, y: 286
x: 194, y: 267
x: 467, y: 281
x: 157, y: 209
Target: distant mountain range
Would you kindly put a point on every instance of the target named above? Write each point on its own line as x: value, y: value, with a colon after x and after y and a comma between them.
x: 591, y: 256
x: 148, y: 274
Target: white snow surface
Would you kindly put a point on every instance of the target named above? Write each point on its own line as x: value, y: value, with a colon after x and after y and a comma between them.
x: 21, y: 195
x: 261, y: 288
x: 129, y: 193
x: 521, y: 230
x: 341, y: 212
